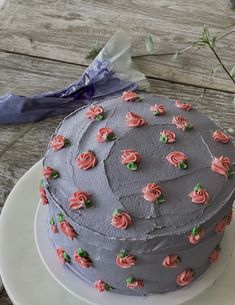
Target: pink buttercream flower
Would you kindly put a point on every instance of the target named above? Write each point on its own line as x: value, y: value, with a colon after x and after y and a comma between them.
x: 66, y: 227
x: 101, y: 286
x: 220, y: 137
x: 177, y: 159
x: 130, y: 96
x: 130, y: 158
x: 196, y: 235
x: 153, y: 193
x: 62, y: 256
x: 199, y: 195
x: 120, y: 219
x: 105, y: 135
x: 214, y: 256
x: 171, y: 261
x: 124, y: 260
x: 43, y: 196
x: 82, y: 258
x: 182, y: 123
x: 220, y: 226
x: 185, y: 277
x: 183, y: 106
x: 229, y: 217
x: 53, y: 226
x: 134, y: 120
x: 50, y: 173
x: 167, y: 136
x: 95, y: 112
x: 79, y: 200
x: 158, y: 109
x: 133, y: 283
x: 58, y: 142
x: 86, y: 160
x: 222, y: 166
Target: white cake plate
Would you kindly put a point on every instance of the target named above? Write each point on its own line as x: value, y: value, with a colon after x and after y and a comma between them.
x: 28, y: 282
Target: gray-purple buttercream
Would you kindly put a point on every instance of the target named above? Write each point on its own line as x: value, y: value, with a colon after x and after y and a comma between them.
x: 156, y: 230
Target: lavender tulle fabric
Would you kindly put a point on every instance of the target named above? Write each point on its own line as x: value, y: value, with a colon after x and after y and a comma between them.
x: 111, y: 73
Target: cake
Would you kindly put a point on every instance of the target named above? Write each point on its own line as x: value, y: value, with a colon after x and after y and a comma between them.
x: 140, y: 189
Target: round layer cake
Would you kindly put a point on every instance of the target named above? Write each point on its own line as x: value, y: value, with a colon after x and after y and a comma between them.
x: 140, y: 190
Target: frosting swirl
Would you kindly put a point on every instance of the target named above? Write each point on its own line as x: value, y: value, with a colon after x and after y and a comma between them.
x: 220, y: 137
x: 199, y: 195
x: 123, y: 260
x: 229, y: 217
x: 62, y: 256
x: 53, y: 226
x: 171, y: 261
x: 158, y: 109
x: 58, y: 142
x: 130, y: 156
x: 101, y: 286
x: 167, y: 136
x: 222, y: 166
x: 95, y: 112
x: 182, y: 123
x: 82, y: 258
x: 177, y: 159
x: 133, y: 283
x: 105, y: 135
x: 214, y: 256
x: 66, y: 228
x: 120, y: 219
x: 183, y: 106
x: 196, y: 235
x: 86, y: 160
x: 185, y: 277
x: 50, y: 173
x: 153, y: 193
x: 43, y: 196
x: 130, y: 96
x: 79, y: 200
x: 134, y: 120
x: 220, y: 226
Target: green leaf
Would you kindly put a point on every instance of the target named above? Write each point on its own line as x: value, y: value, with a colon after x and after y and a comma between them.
x: 132, y: 166
x: 215, y: 69
x: 149, y: 43
x: 205, y: 34
x: 95, y: 50
x: 232, y: 72
x: 174, y: 57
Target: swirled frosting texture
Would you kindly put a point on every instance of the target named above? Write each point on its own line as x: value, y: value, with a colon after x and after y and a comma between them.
x: 156, y: 230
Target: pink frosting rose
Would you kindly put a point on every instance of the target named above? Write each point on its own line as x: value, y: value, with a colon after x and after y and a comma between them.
x: 50, y: 173
x: 83, y: 261
x: 101, y: 286
x: 177, y: 159
x: 121, y: 220
x: 167, y: 136
x: 124, y: 260
x: 130, y: 96
x: 185, y: 277
x: 196, y: 236
x: 158, y: 109
x: 220, y: 226
x: 214, y: 255
x: 103, y: 134
x: 171, y: 261
x: 130, y: 156
x: 62, y: 255
x: 133, y: 283
x: 134, y: 120
x: 199, y: 195
x: 94, y: 112
x: 58, y: 142
x: 78, y: 200
x: 181, y: 122
x: 222, y: 166
x: 43, y: 196
x: 229, y: 217
x: 183, y: 106
x: 54, y: 228
x: 68, y: 230
x: 152, y: 192
x: 220, y: 137
x: 86, y: 160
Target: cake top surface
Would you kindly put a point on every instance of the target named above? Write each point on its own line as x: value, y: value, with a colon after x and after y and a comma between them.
x: 165, y: 185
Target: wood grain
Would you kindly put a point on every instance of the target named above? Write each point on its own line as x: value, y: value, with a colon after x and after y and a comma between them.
x: 66, y: 30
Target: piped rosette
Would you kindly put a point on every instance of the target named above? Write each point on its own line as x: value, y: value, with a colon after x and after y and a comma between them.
x: 80, y: 200
x: 214, y: 256
x: 125, y: 260
x: 167, y: 137
x: 58, y: 142
x: 63, y: 256
x: 199, y: 195
x: 182, y: 123
x: 158, y: 109
x: 86, y: 160
x: 171, y: 261
x: 134, y: 283
x: 53, y: 226
x: 130, y: 158
x: 121, y: 219
x: 50, y: 173
x: 95, y: 113
x: 220, y: 226
x: 131, y: 96
x: 105, y: 135
x: 220, y: 137
x: 82, y: 258
x: 223, y: 166
x: 134, y: 120
x: 178, y: 159
x: 183, y: 106
x: 42, y: 192
x: 153, y: 193
x: 185, y: 278
x: 197, y: 234
x: 101, y: 286
x: 66, y: 227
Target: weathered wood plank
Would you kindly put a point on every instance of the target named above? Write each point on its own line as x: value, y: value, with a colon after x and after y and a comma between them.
x: 66, y: 30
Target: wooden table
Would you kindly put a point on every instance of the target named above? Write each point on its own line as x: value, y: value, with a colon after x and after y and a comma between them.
x: 43, y: 46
